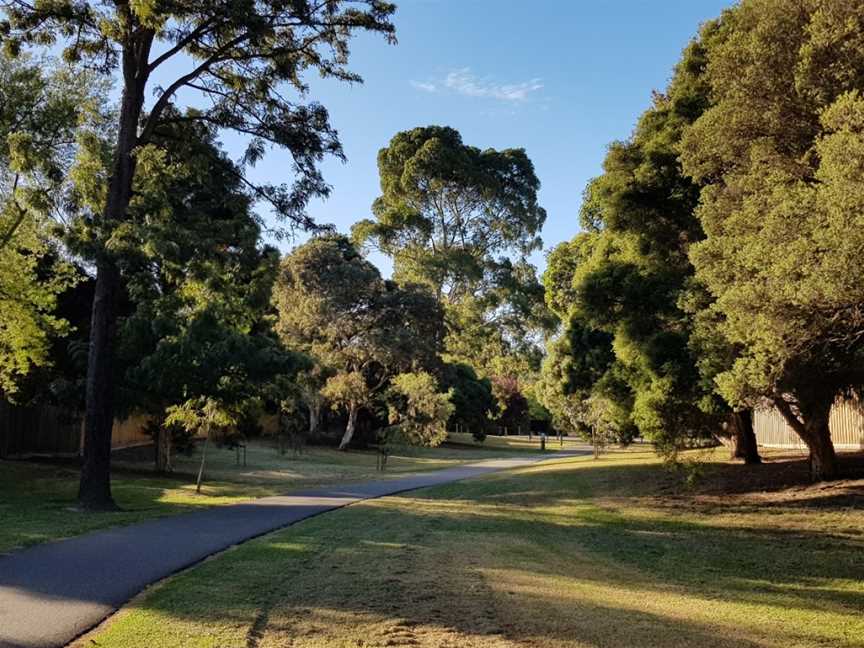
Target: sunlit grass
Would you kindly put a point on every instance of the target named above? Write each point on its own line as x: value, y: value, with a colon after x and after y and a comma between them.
x: 39, y: 499
x: 38, y: 502
x: 576, y: 553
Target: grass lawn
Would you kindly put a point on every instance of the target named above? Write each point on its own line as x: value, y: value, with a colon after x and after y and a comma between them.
x: 38, y: 499
x: 575, y: 552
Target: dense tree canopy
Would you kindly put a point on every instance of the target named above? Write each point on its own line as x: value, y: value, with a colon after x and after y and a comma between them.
x: 716, y: 270
x: 447, y: 209
x: 620, y: 283
x: 720, y: 244
x: 462, y: 221
x: 198, y: 285
x: 779, y: 152
x: 417, y: 411
x: 471, y: 397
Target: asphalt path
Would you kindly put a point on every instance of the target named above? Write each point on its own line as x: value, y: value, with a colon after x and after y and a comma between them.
x: 54, y: 592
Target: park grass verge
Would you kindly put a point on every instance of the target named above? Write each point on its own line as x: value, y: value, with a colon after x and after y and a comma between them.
x: 579, y: 553
x: 39, y: 499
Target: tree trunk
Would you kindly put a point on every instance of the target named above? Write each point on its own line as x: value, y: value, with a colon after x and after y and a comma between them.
x: 349, y: 429
x: 823, y: 459
x: 203, y: 461
x: 812, y: 425
x: 314, y: 418
x: 94, y: 490
x: 163, y: 451
x: 744, y: 444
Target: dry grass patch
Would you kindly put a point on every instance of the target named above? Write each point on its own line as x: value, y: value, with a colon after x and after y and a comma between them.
x: 575, y: 553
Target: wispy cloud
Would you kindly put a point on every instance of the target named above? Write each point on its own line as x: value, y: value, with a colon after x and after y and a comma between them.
x: 464, y: 82
x: 424, y: 86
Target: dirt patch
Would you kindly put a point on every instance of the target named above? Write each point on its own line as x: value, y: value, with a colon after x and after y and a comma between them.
x: 782, y: 475
x: 780, y: 488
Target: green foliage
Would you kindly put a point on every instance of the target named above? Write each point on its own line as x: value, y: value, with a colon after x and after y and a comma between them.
x: 477, y: 338
x: 417, y: 411
x: 512, y: 411
x: 446, y: 209
x: 243, y: 56
x: 472, y: 399
x: 580, y: 366
x: 780, y: 254
x: 244, y: 65
x: 600, y: 417
x: 200, y: 415
x: 42, y: 108
x: 780, y: 153
x: 333, y: 304
x: 621, y: 283
x: 347, y: 390
x: 448, y: 216
x: 362, y: 330
x: 198, y: 322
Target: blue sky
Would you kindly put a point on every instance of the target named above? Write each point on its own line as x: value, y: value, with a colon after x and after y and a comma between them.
x: 559, y: 78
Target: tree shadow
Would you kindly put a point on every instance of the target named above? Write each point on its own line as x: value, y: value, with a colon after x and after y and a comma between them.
x: 426, y: 560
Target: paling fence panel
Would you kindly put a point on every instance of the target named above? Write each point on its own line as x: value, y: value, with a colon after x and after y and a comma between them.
x: 49, y: 430
x: 41, y: 429
x: 130, y: 432
x: 53, y: 431
x: 847, y: 427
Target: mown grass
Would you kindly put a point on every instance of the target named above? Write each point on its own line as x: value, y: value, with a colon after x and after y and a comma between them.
x: 580, y: 553
x: 38, y: 502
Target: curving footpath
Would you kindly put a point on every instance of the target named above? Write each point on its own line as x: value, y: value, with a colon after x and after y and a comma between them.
x: 52, y: 593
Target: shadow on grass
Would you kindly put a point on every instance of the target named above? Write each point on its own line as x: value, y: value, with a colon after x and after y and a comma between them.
x: 427, y: 560
x: 39, y: 501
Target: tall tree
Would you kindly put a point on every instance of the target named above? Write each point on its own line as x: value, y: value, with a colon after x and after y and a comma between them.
x: 241, y: 57
x: 450, y: 215
x: 630, y: 276
x: 780, y: 153
x: 446, y: 209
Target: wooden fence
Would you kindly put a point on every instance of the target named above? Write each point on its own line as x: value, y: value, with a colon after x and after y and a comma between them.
x: 52, y: 431
x: 847, y: 427
x: 38, y: 430
x: 130, y: 432
x: 48, y: 430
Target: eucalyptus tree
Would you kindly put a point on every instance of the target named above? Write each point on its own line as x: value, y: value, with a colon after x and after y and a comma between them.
x: 241, y: 59
x: 334, y: 306
x: 446, y: 209
x: 450, y: 216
